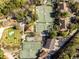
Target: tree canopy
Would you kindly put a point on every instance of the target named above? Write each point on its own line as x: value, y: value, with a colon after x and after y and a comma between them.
x: 70, y: 49
x: 1, y: 54
x: 19, y: 9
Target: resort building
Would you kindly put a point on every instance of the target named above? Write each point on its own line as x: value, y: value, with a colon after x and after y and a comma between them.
x: 63, y: 17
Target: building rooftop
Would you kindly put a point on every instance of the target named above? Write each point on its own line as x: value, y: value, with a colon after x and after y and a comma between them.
x: 63, y: 6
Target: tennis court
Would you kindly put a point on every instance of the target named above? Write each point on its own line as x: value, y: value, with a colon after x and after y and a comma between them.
x: 44, y: 19
x: 30, y: 49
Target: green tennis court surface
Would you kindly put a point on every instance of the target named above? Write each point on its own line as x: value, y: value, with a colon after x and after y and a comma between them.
x: 44, y: 19
x: 30, y: 49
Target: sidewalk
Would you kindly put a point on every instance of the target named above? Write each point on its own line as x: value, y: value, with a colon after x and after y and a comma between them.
x: 2, y: 30
x: 7, y: 54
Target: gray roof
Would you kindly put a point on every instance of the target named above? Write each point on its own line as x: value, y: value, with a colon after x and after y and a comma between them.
x: 49, y: 44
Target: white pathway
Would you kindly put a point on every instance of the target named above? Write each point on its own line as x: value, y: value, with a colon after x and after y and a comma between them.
x: 2, y: 30
x: 7, y: 54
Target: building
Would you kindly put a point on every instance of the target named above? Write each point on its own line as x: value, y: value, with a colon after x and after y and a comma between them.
x: 63, y: 7
x: 63, y: 17
x: 46, y: 48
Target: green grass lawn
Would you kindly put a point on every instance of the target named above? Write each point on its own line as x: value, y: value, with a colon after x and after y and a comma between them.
x: 11, y: 37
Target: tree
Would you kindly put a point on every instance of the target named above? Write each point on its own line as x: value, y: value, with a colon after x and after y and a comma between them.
x: 71, y: 1
x: 74, y: 26
x: 65, y: 33
x: 11, y: 7
x: 77, y: 6
x: 8, y: 7
x: 64, y: 14
x: 37, y: 2
x: 14, y: 27
x: 74, y: 7
x: 66, y: 56
x: 20, y: 16
x: 1, y: 54
x: 56, y: 22
x: 70, y: 49
x: 53, y: 34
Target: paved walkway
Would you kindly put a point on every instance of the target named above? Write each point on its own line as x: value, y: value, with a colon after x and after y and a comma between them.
x: 7, y: 54
x: 2, y: 30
